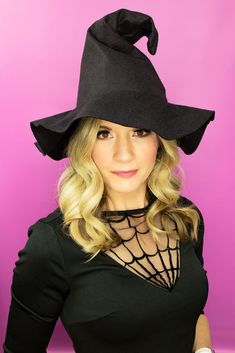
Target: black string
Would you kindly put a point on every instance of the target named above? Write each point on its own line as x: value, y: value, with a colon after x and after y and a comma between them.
x: 156, y: 278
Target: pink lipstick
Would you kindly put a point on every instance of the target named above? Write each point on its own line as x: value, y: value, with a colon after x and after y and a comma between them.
x: 125, y: 174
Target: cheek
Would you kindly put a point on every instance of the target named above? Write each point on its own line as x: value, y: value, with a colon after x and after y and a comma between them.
x: 99, y: 156
x: 148, y: 152
x: 95, y: 155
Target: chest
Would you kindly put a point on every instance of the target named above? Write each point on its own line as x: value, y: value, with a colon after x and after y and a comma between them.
x: 159, y: 263
x: 156, y: 260
x: 112, y: 297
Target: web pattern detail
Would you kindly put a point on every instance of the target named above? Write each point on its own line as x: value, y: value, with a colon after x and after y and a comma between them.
x: 161, y: 268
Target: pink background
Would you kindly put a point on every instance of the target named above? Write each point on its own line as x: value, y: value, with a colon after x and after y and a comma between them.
x: 41, y: 47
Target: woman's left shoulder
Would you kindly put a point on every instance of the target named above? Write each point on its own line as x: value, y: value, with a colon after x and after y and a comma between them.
x: 185, y: 201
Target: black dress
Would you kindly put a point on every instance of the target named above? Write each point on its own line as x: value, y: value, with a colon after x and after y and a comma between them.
x: 105, y: 305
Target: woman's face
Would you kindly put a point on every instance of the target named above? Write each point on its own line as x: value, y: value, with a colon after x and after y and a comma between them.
x: 124, y: 148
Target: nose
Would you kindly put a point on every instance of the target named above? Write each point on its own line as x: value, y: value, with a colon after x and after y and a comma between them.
x: 124, y: 148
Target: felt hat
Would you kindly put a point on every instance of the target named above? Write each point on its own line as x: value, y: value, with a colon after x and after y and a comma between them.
x: 118, y: 83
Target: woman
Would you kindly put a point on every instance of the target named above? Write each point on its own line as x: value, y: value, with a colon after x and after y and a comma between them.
x: 120, y: 260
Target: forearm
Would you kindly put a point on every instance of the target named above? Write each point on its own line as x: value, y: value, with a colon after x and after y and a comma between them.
x: 202, y: 334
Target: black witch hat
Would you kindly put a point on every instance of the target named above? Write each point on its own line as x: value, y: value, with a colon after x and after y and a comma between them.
x: 119, y: 83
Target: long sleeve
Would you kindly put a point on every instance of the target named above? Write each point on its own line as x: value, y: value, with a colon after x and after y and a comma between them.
x: 199, y: 243
x: 200, y: 240
x: 38, y: 291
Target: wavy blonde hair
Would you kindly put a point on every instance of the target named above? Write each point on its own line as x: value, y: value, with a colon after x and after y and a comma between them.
x: 81, y: 194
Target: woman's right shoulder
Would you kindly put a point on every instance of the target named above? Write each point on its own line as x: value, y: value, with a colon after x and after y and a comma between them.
x: 48, y: 232
x: 40, y: 280
x: 51, y: 221
x: 42, y: 232
x: 51, y: 217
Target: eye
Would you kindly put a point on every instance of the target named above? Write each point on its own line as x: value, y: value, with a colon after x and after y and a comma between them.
x: 103, y: 132
x: 141, y: 130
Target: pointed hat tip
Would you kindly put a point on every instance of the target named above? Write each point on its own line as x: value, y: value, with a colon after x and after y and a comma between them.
x: 123, y: 27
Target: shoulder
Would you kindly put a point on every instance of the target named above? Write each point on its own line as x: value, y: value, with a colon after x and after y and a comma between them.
x: 52, y: 217
x: 184, y: 201
x: 41, y: 257
x: 40, y: 279
x: 42, y: 243
x: 40, y: 260
x: 47, y: 225
x: 48, y: 235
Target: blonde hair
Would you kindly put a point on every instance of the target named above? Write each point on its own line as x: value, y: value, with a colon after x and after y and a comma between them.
x: 81, y: 194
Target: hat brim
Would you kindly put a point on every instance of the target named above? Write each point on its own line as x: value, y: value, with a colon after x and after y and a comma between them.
x: 183, y: 123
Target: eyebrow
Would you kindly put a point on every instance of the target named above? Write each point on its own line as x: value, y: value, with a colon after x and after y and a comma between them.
x: 105, y: 127
x: 109, y: 128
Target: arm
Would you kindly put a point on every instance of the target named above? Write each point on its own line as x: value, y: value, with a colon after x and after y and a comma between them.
x: 202, y: 334
x: 38, y: 291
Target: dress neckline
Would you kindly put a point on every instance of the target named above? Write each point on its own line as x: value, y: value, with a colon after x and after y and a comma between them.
x: 126, y: 212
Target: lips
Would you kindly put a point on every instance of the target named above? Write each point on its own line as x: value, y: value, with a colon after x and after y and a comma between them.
x: 125, y: 174
x: 124, y: 171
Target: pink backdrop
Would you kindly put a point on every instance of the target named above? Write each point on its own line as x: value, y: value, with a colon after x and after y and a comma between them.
x: 41, y: 46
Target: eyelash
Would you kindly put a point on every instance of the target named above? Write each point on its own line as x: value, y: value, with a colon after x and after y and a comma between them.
x: 102, y: 131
